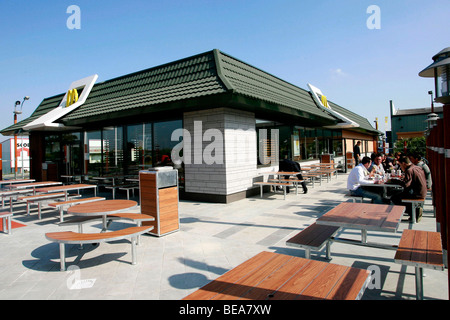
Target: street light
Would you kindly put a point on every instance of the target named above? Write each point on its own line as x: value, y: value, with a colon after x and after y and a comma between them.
x: 16, y: 112
x: 440, y: 71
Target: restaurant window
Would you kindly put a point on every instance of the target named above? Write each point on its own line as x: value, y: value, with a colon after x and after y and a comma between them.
x: 52, y: 148
x: 93, y: 152
x: 139, y: 148
x: 163, y: 144
x: 72, y: 153
x: 112, y: 147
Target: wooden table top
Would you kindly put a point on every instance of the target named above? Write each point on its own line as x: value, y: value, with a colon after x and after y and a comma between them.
x: 273, y: 276
x: 102, y: 207
x: 16, y: 181
x: 374, y: 217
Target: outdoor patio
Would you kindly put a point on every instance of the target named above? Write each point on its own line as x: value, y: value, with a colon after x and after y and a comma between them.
x: 213, y: 239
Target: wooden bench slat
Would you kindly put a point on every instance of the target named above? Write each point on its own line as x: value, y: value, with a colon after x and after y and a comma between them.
x: 419, y: 249
x: 435, y: 256
x: 75, y: 238
x: 314, y: 235
x: 57, y: 204
x: 422, y: 248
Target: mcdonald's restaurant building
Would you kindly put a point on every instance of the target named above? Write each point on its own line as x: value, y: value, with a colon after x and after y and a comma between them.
x: 227, y: 120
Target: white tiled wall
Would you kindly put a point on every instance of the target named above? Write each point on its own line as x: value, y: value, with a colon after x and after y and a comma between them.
x: 232, y: 172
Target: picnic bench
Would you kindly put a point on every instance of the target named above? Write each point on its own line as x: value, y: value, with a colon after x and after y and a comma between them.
x: 261, y: 184
x: 416, y: 204
x: 13, y: 194
x: 69, y: 237
x: 420, y: 249
x: 45, y: 198
x: 64, y: 204
x: 314, y: 237
x: 6, y: 220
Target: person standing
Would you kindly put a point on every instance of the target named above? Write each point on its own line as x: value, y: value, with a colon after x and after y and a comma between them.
x: 357, y: 152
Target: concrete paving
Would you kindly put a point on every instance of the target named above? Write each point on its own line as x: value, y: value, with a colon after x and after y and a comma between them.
x: 213, y: 239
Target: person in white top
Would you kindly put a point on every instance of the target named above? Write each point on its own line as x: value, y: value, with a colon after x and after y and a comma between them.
x: 358, y: 177
x: 377, y: 165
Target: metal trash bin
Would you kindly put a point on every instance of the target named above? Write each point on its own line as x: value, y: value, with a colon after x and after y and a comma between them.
x: 159, y: 199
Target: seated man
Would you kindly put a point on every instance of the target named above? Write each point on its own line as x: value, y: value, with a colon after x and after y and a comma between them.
x: 357, y: 179
x: 377, y: 166
x: 417, y: 160
x: 414, y: 184
x: 292, y: 166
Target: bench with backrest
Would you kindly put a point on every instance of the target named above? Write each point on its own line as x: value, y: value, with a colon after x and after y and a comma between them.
x: 62, y: 205
x: 42, y: 199
x: 420, y: 249
x: 69, y: 237
x: 6, y: 220
x: 314, y: 237
x: 416, y: 204
x: 284, y: 185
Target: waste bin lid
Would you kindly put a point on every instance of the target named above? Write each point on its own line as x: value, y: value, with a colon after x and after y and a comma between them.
x: 166, y: 168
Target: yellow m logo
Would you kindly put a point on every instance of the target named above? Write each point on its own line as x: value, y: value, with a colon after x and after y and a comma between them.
x: 324, y: 101
x: 72, y: 97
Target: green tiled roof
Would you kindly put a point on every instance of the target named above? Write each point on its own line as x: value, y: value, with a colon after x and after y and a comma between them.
x: 46, y: 105
x: 188, y: 78
x: 250, y: 81
x: 212, y: 74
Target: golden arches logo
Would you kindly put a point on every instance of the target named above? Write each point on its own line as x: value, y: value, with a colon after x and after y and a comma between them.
x: 324, y: 101
x: 72, y: 97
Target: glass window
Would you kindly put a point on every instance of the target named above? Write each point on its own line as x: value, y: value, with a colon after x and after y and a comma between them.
x: 73, y: 157
x: 52, y: 148
x: 93, y: 152
x: 163, y: 144
x: 139, y: 148
x: 112, y: 151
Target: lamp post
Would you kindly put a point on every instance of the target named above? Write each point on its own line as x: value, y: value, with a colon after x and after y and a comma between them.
x: 438, y: 143
x: 16, y: 112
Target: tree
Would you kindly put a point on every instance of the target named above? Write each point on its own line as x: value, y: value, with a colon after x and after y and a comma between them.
x: 413, y: 145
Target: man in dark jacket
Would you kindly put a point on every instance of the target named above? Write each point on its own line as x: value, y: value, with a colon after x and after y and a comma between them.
x: 287, y: 165
x: 414, y: 184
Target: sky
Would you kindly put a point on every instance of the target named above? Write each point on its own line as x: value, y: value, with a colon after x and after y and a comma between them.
x: 359, y: 58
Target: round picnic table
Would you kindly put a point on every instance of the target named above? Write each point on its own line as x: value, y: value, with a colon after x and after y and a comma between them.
x: 101, y: 208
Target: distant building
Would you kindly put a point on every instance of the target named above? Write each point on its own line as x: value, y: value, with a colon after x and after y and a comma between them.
x: 23, y: 155
x: 410, y: 123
